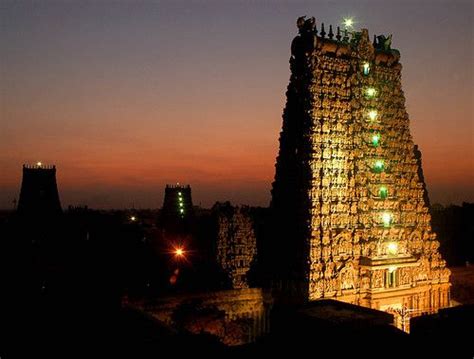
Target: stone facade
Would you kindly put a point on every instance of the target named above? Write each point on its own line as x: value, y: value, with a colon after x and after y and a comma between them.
x: 352, y: 222
x: 236, y: 243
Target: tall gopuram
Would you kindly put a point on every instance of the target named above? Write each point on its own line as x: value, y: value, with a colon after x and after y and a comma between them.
x: 39, y: 195
x: 351, y: 221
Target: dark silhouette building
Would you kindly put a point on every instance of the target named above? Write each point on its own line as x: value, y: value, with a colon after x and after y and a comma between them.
x: 177, y: 209
x: 39, y: 191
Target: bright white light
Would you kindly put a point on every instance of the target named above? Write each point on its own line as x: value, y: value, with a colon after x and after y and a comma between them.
x: 392, y: 269
x: 386, y: 219
x: 39, y: 164
x: 133, y: 218
x: 373, y: 114
x: 348, y: 22
x: 392, y: 248
x: 371, y: 92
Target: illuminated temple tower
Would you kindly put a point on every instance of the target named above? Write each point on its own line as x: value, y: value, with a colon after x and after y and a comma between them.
x: 351, y: 218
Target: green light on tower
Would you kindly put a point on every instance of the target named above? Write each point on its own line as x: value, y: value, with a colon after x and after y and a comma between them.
x: 379, y: 166
x: 383, y: 192
x: 375, y: 139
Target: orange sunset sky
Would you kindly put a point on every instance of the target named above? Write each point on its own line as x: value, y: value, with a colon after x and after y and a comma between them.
x: 125, y: 97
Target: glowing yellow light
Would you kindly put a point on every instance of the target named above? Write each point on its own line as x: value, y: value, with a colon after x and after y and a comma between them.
x: 373, y: 114
x: 392, y: 248
x: 181, y: 210
x: 370, y: 92
x: 386, y: 219
x: 179, y: 194
x: 39, y: 164
x: 179, y: 252
x: 366, y: 68
x: 181, y: 204
x: 133, y: 218
x: 348, y: 22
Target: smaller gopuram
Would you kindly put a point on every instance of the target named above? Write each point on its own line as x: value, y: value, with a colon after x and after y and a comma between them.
x: 177, y: 209
x: 39, y: 195
x: 236, y: 243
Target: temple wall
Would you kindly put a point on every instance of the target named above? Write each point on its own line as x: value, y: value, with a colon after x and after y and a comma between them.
x: 250, y: 304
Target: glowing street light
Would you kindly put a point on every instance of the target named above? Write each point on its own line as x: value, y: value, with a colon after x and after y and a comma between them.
x: 133, y: 218
x: 39, y: 164
x: 179, y: 252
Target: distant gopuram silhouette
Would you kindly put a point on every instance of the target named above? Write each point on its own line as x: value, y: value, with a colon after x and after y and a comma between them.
x: 177, y: 208
x: 351, y: 219
x: 39, y: 191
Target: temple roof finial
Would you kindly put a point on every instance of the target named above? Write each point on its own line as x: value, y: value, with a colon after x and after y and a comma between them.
x: 330, y: 34
x: 322, y: 32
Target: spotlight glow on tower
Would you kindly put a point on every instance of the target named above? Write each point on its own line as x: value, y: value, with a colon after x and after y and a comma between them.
x: 348, y: 22
x: 373, y: 114
x: 392, y: 248
x: 386, y: 219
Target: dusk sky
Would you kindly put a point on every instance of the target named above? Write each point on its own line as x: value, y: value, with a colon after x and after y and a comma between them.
x: 126, y: 96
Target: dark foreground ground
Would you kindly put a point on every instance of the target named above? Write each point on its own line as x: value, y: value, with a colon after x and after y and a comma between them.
x: 55, y: 330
